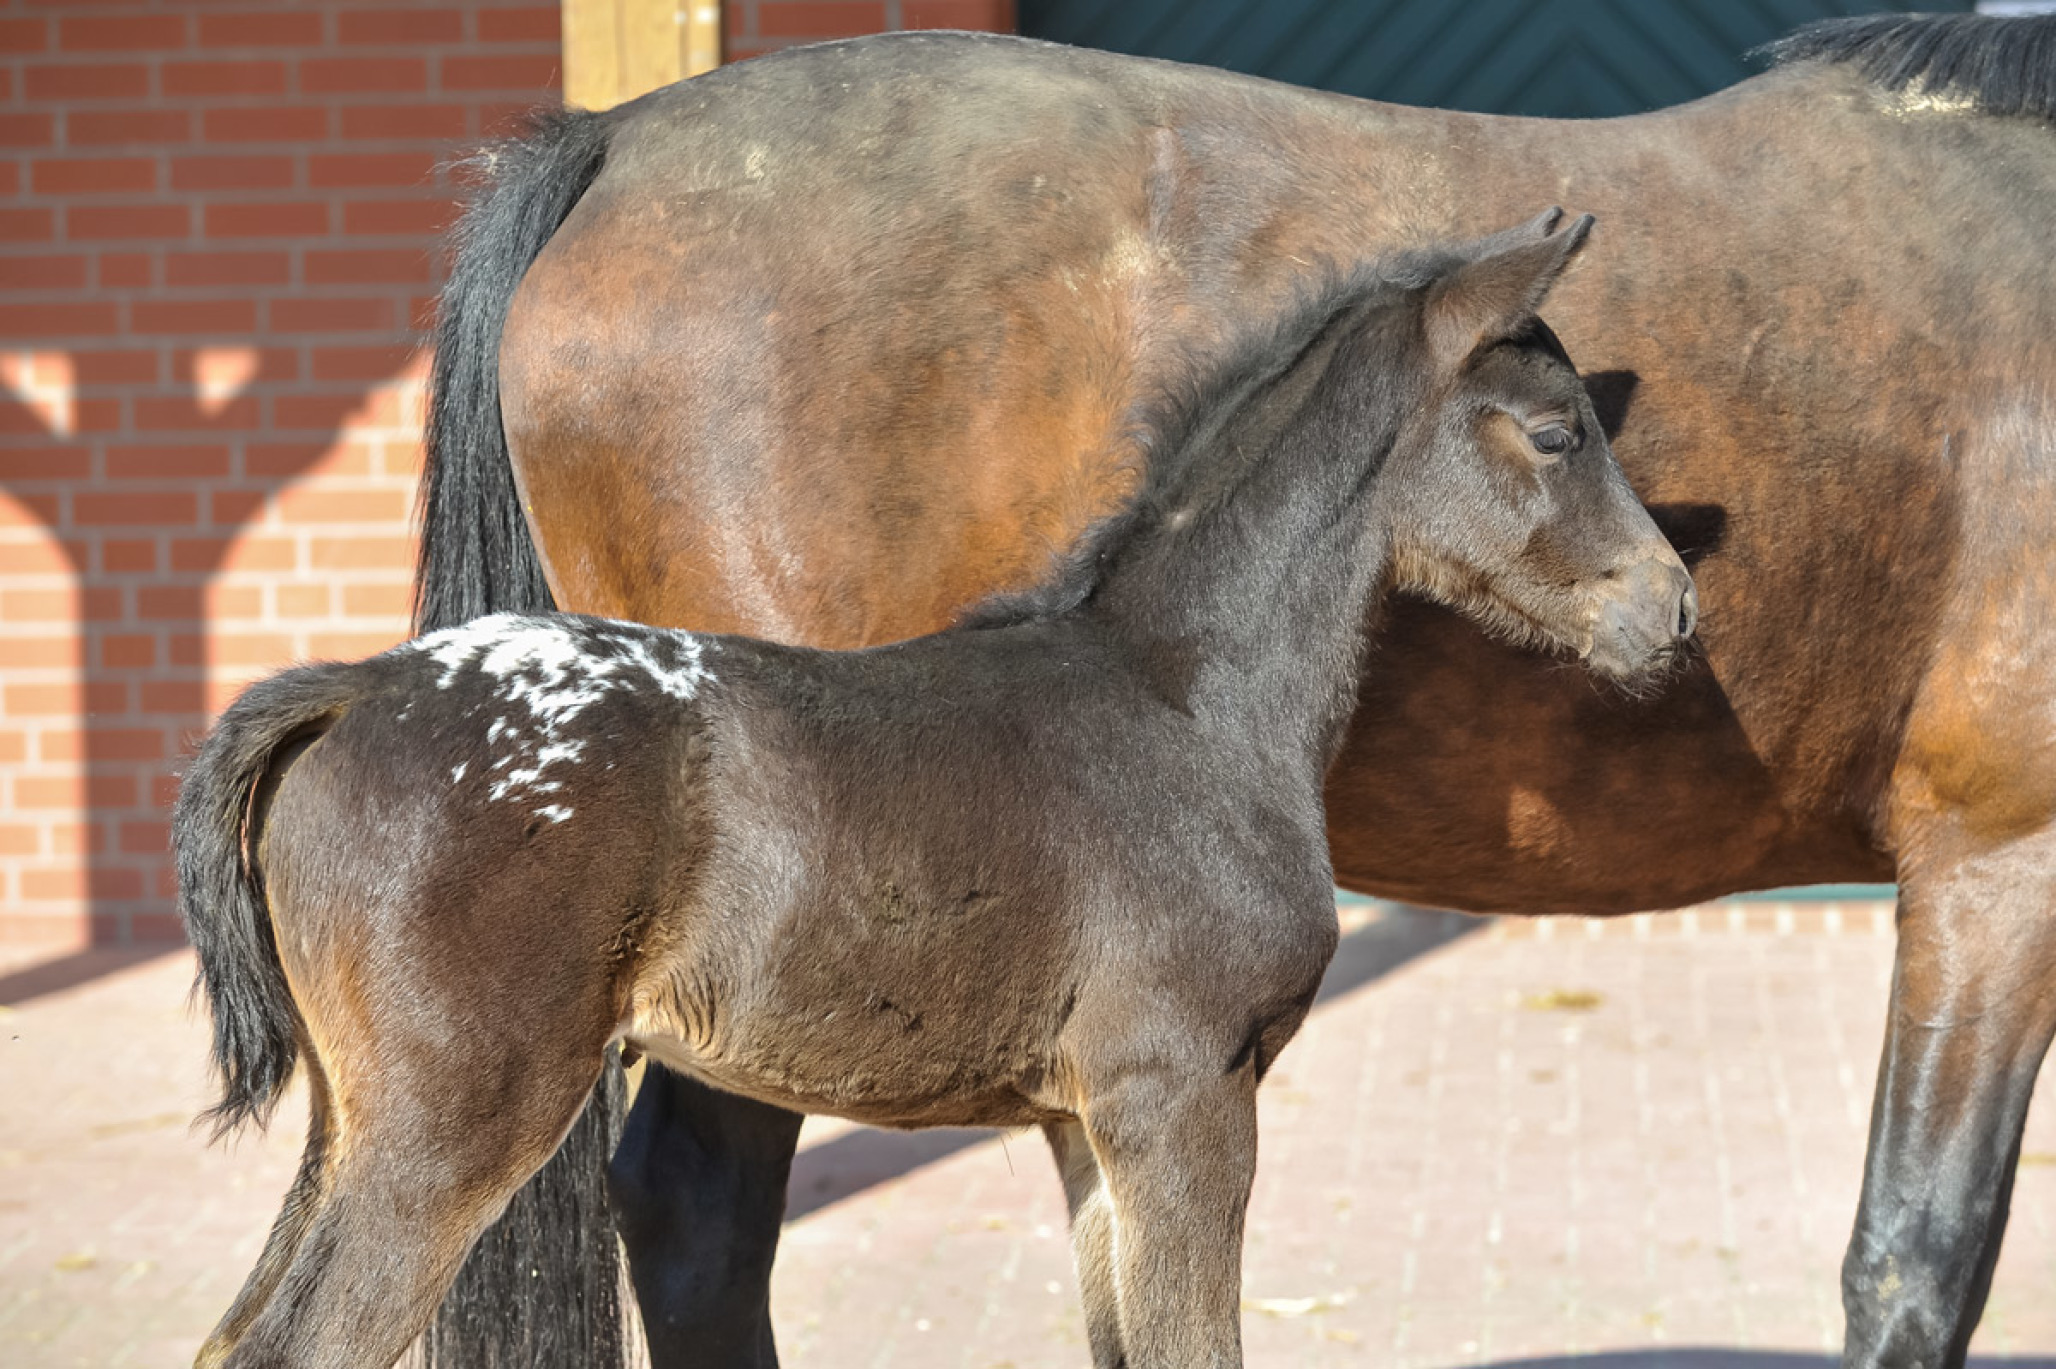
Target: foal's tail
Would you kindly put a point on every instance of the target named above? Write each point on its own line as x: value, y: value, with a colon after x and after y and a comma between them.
x: 476, y: 553
x: 221, y: 897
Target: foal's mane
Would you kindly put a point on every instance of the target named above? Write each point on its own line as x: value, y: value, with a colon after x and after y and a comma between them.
x: 2006, y: 64
x: 1174, y: 426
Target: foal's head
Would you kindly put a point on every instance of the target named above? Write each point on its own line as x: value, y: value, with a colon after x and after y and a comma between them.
x: 1504, y: 500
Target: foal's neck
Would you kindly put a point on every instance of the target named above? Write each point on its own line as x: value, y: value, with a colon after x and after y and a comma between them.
x: 1247, y: 590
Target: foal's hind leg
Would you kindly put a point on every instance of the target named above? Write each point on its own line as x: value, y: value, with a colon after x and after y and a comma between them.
x: 1177, y: 1156
x: 421, y: 1161
x: 1972, y: 1013
x: 303, y: 1202
x: 1092, y: 1239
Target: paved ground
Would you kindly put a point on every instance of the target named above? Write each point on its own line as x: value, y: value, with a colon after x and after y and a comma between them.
x: 1611, y: 1145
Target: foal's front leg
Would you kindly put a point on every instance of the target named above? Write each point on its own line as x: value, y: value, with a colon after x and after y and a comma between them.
x: 1176, y: 1157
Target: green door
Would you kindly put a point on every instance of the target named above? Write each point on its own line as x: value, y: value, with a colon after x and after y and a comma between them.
x: 1550, y: 57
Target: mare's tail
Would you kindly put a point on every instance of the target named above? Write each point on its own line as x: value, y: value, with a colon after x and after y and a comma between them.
x: 541, y: 1288
x: 219, y: 894
x: 476, y: 553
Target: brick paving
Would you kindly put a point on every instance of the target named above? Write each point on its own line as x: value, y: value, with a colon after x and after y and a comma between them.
x: 1611, y: 1145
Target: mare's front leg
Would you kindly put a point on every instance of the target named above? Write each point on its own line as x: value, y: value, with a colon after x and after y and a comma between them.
x: 1092, y: 1239
x: 1176, y: 1153
x: 1973, y: 1008
x: 698, y: 1190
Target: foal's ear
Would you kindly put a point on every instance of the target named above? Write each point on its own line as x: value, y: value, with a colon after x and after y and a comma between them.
x: 1500, y: 285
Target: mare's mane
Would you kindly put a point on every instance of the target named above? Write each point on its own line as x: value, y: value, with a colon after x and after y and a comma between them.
x: 2007, y: 65
x: 1174, y: 427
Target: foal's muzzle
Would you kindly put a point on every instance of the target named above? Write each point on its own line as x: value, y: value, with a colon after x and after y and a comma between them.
x: 1644, y: 624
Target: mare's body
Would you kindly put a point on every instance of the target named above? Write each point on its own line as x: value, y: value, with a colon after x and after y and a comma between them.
x: 831, y: 343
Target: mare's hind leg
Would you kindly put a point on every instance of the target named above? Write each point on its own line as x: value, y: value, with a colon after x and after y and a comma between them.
x: 422, y: 1158
x: 1177, y: 1155
x: 1972, y: 1012
x: 1092, y: 1239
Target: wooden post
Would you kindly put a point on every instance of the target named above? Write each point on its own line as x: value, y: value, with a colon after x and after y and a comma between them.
x: 615, y: 50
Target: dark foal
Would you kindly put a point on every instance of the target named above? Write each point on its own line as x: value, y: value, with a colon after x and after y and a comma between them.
x: 1063, y: 866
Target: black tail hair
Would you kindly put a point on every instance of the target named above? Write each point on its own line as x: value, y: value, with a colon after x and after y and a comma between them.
x: 2007, y: 64
x: 476, y: 553
x: 542, y: 1287
x: 221, y: 898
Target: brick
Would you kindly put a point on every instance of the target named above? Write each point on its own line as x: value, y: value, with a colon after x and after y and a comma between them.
x: 184, y: 413
x: 115, y: 366
x: 17, y: 838
x: 90, y: 223
x: 397, y: 26
x: 524, y: 24
x: 303, y: 601
x: 40, y: 557
x: 331, y: 315
x: 127, y: 33
x: 232, y: 173
x: 157, y: 929
x: 22, y: 36
x: 43, y: 272
x: 820, y: 18
x: 314, y: 504
x: 300, y: 458
x: 264, y: 649
x: 65, y: 700
x: 145, y: 837
x: 265, y: 124
x: 45, y: 463
x: 198, y: 316
x: 128, y: 555
x: 350, y: 646
x: 321, y: 412
x: 363, y: 75
x: 127, y: 270
x: 361, y: 363
x: 370, y: 266
x: 408, y: 218
x: 990, y: 16
x: 228, y: 268
x: 378, y: 601
x: 405, y: 121
x: 38, y: 605
x: 189, y: 461
x: 28, y: 130
x: 284, y: 219
x: 106, y: 744
x: 92, y: 175
x: 27, y: 225
x: 500, y: 73
x: 234, y: 554
x: 235, y: 508
x: 172, y: 698
x: 92, y: 508
x: 346, y: 170
x: 97, y: 318
x: 258, y: 29
x: 56, y: 84
x: 362, y: 553
x: 99, y: 127
x: 19, y: 508
x: 128, y: 651
x: 224, y: 78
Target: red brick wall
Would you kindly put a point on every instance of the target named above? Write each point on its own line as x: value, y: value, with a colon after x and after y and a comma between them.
x: 218, y: 222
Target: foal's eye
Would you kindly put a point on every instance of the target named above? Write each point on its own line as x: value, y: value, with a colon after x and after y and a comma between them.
x: 1553, y: 440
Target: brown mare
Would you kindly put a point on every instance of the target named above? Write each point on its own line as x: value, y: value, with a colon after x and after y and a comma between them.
x: 1065, y: 866
x: 825, y: 345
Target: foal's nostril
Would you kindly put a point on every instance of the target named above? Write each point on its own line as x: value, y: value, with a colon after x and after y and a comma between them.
x: 1688, y: 611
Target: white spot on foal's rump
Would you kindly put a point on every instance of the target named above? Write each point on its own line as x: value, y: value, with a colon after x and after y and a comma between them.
x: 552, y: 670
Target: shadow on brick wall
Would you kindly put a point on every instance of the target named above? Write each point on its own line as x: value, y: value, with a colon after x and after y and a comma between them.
x: 127, y: 677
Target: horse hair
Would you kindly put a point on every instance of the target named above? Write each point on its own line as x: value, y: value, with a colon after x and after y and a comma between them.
x: 2007, y: 64
x: 476, y: 553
